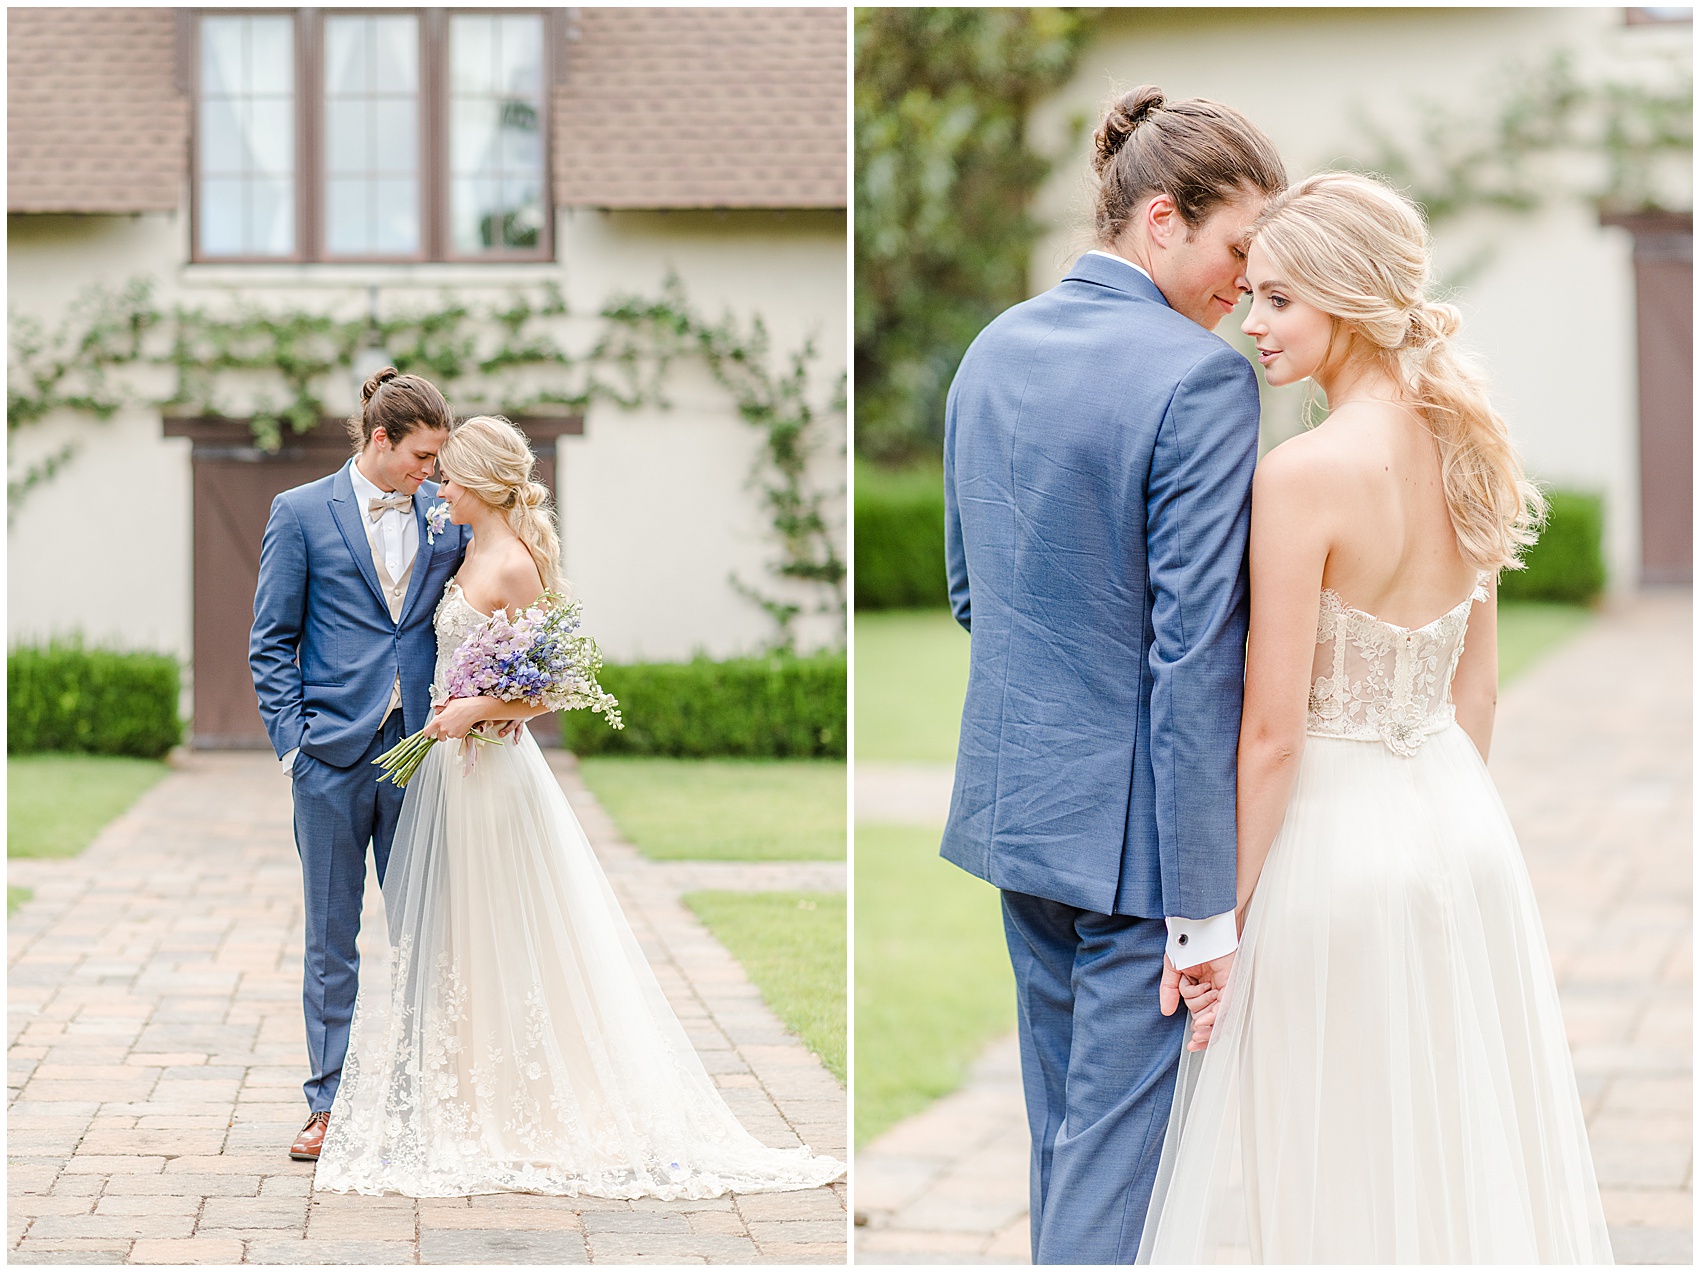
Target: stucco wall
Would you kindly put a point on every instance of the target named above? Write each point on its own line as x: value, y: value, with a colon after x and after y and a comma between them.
x: 1552, y: 310
x: 657, y: 506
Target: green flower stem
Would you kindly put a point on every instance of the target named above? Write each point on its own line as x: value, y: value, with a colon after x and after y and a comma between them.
x: 402, y: 760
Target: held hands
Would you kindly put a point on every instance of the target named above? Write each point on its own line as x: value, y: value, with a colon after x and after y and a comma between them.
x: 1201, y: 987
x: 459, y: 716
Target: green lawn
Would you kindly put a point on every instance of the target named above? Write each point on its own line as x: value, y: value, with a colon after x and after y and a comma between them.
x: 16, y: 897
x: 1528, y: 630
x: 933, y: 983
x: 792, y: 945
x: 57, y: 804
x: 912, y: 671
x: 724, y: 810
x: 911, y: 674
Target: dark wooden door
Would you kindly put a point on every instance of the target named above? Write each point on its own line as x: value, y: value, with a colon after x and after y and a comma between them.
x: 234, y: 485
x: 1664, y: 304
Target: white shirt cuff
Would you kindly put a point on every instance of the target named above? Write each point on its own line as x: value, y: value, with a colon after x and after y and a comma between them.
x: 1195, y: 941
x: 288, y: 759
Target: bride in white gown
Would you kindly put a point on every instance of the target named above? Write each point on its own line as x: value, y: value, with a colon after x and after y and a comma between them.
x: 1382, y: 1075
x: 521, y: 1041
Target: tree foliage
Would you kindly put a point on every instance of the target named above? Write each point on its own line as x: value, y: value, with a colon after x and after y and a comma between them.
x: 944, y: 181
x: 1544, y: 131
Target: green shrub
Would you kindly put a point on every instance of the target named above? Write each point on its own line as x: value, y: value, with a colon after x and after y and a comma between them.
x: 899, y: 538
x: 63, y: 697
x: 1567, y: 563
x: 779, y: 706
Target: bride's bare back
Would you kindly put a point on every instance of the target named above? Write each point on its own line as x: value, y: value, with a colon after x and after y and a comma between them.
x: 1356, y: 506
x: 1392, y: 548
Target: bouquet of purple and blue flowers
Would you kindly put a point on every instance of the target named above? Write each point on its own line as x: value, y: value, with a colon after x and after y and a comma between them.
x: 538, y: 657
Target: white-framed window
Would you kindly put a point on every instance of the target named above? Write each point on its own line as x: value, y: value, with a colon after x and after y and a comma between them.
x: 390, y: 135
x: 245, y: 135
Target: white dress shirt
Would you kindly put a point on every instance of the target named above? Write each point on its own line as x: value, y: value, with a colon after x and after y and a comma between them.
x: 396, y: 536
x: 1098, y: 251
x: 1191, y: 941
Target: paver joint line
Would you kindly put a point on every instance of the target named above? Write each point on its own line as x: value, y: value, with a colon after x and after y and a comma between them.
x: 1595, y: 771
x: 156, y: 1051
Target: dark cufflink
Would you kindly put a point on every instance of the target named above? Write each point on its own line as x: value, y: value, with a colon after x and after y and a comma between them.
x: 1181, y: 939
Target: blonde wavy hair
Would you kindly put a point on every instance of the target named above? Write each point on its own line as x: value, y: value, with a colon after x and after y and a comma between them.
x: 1358, y: 250
x: 492, y: 459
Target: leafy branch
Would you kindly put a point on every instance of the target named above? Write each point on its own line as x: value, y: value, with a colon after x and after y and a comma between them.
x: 1490, y: 154
x: 945, y: 177
x: 273, y: 368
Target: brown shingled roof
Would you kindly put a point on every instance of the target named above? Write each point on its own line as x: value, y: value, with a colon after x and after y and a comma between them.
x: 677, y: 108
x: 95, y: 121
x: 659, y: 108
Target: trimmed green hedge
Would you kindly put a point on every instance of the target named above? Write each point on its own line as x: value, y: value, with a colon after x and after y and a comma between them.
x: 900, y: 544
x: 63, y: 697
x: 1567, y: 563
x: 899, y: 538
x: 781, y: 706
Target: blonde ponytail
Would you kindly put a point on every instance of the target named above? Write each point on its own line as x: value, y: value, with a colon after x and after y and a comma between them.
x: 1358, y: 251
x: 492, y: 459
x: 533, y: 520
x: 1496, y: 510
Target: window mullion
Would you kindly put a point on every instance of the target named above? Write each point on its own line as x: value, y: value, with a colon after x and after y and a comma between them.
x: 310, y: 116
x: 433, y: 165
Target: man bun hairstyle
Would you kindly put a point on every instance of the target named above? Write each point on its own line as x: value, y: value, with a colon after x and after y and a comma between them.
x: 1126, y: 113
x: 1200, y: 153
x: 491, y: 459
x: 1357, y: 249
x: 398, y: 404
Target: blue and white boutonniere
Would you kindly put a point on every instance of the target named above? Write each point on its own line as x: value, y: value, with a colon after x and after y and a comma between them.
x: 436, y: 520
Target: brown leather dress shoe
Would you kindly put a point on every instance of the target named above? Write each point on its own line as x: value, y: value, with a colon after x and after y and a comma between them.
x: 307, y: 1144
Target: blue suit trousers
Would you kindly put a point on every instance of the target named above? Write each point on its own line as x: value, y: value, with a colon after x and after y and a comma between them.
x: 1098, y: 1064
x: 338, y: 812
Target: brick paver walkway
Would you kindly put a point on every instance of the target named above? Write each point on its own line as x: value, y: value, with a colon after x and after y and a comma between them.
x: 157, y: 1053
x: 1592, y: 753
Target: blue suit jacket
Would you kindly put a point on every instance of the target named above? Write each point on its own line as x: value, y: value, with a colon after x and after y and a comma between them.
x: 324, y: 650
x: 1098, y: 457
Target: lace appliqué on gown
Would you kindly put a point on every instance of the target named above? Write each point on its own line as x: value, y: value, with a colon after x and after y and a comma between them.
x: 454, y: 621
x: 1388, y: 1078
x: 1373, y: 680
x: 520, y: 1041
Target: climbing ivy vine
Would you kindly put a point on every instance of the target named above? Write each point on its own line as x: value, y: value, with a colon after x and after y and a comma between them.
x: 1616, y: 136
x: 273, y: 367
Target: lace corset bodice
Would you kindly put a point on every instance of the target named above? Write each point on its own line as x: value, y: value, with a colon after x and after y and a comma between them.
x: 454, y: 621
x: 1376, y: 681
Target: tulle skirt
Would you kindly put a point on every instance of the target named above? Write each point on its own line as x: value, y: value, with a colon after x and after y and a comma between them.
x: 521, y: 1041
x: 1388, y: 1080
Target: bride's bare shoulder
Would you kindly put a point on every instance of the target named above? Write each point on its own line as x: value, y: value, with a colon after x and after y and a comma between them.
x: 505, y: 577
x: 515, y: 576
x: 1306, y: 465
x: 1338, y: 457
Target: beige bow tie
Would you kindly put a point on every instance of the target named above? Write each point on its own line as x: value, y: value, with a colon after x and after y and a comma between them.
x: 379, y: 505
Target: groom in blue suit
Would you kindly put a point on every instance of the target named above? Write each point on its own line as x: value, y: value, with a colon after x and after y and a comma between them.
x: 1099, y: 446
x: 343, y: 653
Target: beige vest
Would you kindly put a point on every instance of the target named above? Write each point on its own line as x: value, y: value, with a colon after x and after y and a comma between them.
x: 395, y: 592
